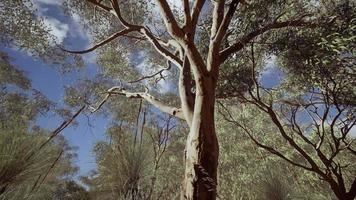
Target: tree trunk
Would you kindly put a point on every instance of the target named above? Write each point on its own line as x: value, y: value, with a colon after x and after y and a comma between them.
x: 341, y: 193
x: 202, y: 151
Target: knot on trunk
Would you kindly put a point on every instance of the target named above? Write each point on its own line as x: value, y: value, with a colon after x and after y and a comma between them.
x: 205, y: 178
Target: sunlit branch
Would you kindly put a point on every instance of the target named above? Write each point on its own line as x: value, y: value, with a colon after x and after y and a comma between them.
x: 156, y: 42
x: 117, y: 90
x: 196, y: 10
x: 226, y: 21
x: 218, y: 14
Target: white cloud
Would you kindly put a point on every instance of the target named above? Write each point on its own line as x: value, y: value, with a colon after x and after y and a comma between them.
x: 57, y: 28
x: 270, y: 66
x: 90, y: 58
x: 163, y: 85
x: 79, y: 30
x: 146, y: 68
x: 47, y: 2
x: 177, y: 3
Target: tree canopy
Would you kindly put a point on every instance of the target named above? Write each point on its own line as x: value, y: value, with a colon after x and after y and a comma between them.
x: 203, y: 64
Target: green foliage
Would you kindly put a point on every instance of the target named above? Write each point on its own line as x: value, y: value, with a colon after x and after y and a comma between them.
x: 323, y: 56
x: 10, y: 75
x: 70, y: 190
x: 24, y: 168
x: 145, y: 166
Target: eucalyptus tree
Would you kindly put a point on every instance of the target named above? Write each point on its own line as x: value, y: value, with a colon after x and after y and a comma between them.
x: 200, y: 40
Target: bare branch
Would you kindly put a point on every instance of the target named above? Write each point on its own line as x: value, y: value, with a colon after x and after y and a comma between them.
x: 51, y: 167
x: 157, y: 44
x: 265, y: 147
x: 218, y: 14
x: 116, y: 7
x: 64, y: 125
x: 177, y: 112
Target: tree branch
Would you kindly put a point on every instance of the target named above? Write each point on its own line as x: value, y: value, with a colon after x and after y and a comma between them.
x: 218, y: 14
x: 100, y: 5
x: 117, y: 90
x: 103, y: 42
x: 64, y: 125
x: 226, y: 21
x: 115, y: 5
x: 196, y: 10
x: 169, y: 19
x: 157, y: 44
x: 225, y: 53
x: 152, y: 75
x: 265, y: 147
x: 187, y: 16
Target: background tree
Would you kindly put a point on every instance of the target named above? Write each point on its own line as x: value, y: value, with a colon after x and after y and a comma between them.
x: 249, y: 172
x: 314, y: 111
x: 71, y: 190
x: 139, y: 163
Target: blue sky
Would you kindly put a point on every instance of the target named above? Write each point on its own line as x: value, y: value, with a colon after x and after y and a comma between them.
x: 51, y: 82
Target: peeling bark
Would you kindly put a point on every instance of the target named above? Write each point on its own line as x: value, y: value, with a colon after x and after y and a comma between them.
x: 201, y: 158
x: 185, y: 93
